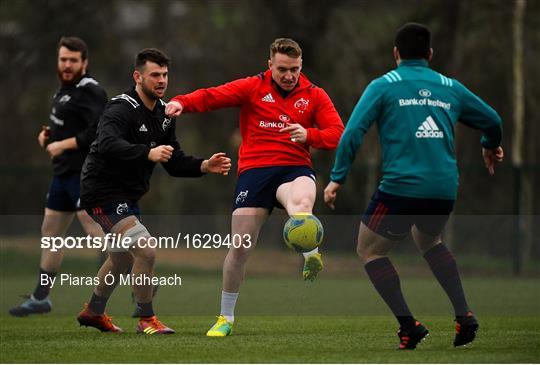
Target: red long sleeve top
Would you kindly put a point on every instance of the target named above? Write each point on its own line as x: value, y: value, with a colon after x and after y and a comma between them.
x: 264, y: 111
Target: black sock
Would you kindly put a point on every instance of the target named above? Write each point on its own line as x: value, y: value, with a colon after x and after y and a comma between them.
x: 444, y: 267
x: 97, y: 304
x: 145, y: 309
x: 42, y: 291
x: 385, y: 278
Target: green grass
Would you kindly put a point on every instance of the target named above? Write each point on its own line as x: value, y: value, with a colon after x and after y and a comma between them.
x: 279, y: 319
x: 303, y: 339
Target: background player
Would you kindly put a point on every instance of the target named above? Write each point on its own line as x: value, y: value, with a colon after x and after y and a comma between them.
x: 415, y: 109
x: 75, y: 111
x: 133, y: 135
x: 282, y: 115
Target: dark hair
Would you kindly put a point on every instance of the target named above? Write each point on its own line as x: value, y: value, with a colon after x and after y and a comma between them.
x: 285, y: 46
x: 74, y: 44
x: 152, y: 55
x: 413, y: 41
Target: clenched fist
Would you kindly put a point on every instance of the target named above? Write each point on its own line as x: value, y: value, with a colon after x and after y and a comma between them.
x: 173, y: 109
x: 160, y: 153
x: 43, y: 136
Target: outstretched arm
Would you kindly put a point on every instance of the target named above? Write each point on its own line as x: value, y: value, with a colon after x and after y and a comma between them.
x: 365, y: 113
x: 182, y: 165
x: 179, y: 164
x: 231, y: 94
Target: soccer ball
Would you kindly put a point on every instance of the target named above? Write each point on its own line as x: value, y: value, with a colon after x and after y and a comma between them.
x: 303, y: 232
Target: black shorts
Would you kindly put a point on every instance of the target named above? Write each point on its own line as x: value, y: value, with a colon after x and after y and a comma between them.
x: 392, y: 216
x: 64, y: 193
x: 108, y: 215
x: 256, y: 188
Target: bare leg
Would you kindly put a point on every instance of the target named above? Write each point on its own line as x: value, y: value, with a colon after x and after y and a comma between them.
x: 245, y: 221
x: 297, y: 196
x: 143, y: 259
x: 116, y: 264
x: 143, y: 265
x: 55, y: 224
x: 89, y: 225
x: 372, y: 246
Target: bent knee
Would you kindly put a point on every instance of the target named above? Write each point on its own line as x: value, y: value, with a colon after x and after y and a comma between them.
x: 364, y: 253
x: 370, y: 252
x: 146, y: 254
x: 301, y: 205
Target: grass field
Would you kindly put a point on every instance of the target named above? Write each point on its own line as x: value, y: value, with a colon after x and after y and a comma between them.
x: 279, y: 319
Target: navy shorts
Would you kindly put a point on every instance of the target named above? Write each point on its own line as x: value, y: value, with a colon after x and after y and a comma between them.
x: 256, y: 188
x: 109, y: 214
x: 64, y: 193
x: 392, y: 216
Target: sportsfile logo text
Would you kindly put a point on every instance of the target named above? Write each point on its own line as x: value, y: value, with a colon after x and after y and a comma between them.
x: 110, y: 240
x: 119, y: 241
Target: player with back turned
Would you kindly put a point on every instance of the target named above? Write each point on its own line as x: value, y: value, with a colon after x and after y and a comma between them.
x: 416, y: 110
x: 133, y: 135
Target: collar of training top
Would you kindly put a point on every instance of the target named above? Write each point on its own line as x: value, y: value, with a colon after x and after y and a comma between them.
x: 419, y: 62
x: 160, y: 104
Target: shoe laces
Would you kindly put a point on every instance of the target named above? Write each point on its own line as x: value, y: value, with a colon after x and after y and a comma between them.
x: 221, y: 320
x: 107, y: 320
x: 153, y: 322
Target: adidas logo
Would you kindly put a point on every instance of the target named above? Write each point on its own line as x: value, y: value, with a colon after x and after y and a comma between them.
x: 429, y: 129
x: 268, y: 98
x: 143, y: 128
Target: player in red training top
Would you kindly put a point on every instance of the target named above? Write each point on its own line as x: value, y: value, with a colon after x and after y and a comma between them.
x: 282, y: 115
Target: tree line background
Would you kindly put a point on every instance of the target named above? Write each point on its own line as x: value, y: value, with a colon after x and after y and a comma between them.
x: 346, y: 44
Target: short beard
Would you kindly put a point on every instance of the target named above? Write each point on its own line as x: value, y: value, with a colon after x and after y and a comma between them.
x: 149, y: 93
x: 74, y: 81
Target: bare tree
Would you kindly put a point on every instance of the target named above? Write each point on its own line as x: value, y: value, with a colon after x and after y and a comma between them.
x: 523, y: 180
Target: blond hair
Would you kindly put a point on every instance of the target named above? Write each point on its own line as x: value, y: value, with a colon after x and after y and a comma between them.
x: 285, y: 46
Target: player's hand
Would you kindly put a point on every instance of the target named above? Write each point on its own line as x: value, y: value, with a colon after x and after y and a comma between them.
x: 160, y: 153
x: 55, y: 149
x: 297, y: 132
x: 330, y: 194
x: 173, y: 109
x: 491, y: 157
x: 43, y: 136
x: 219, y: 163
